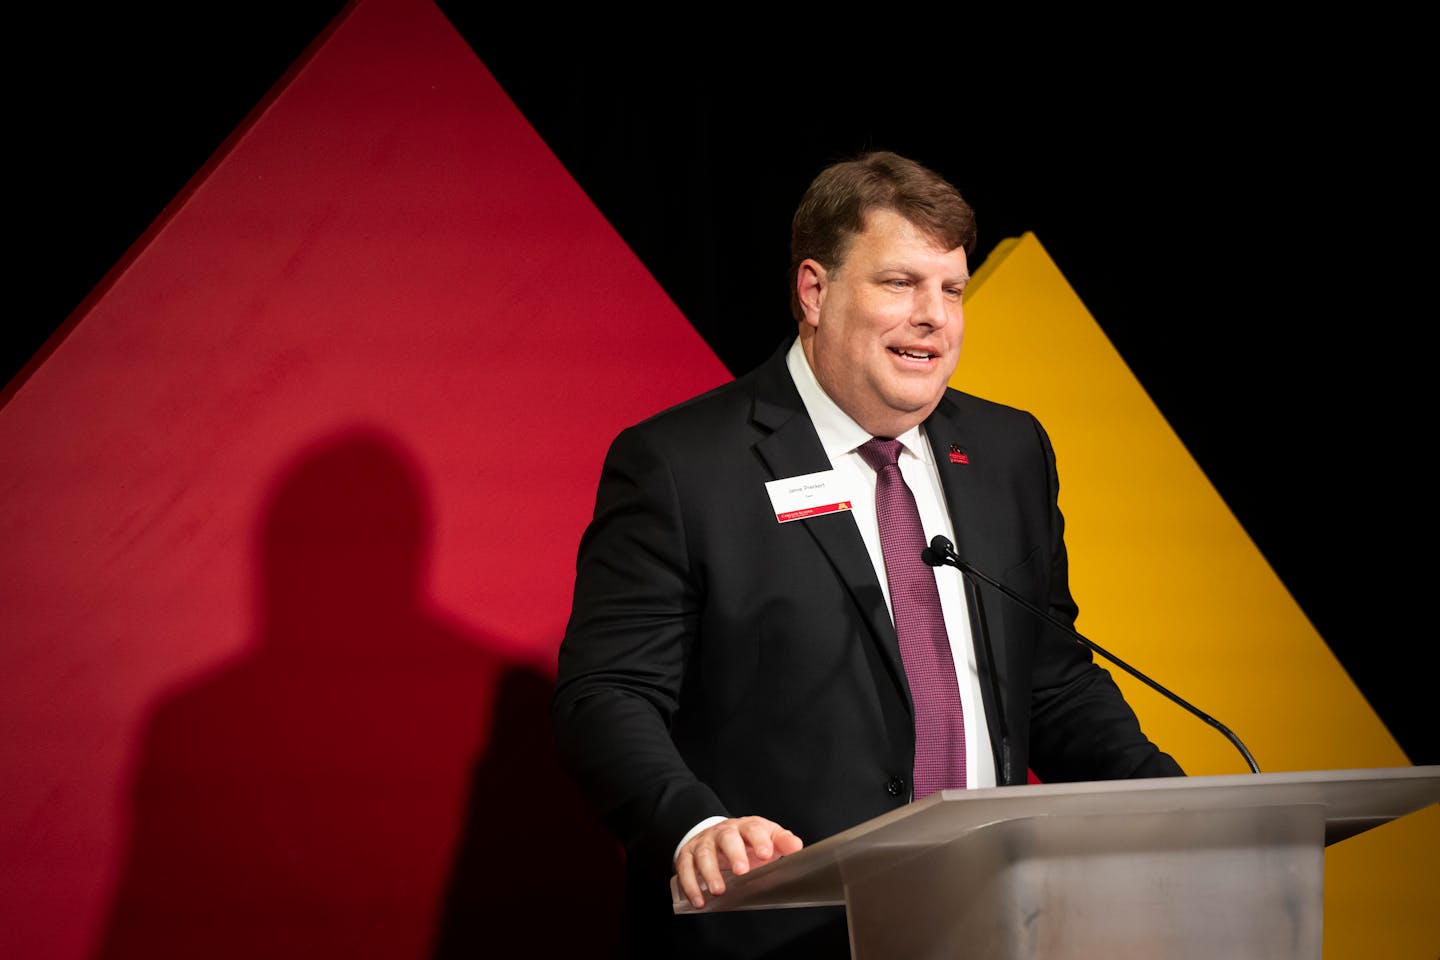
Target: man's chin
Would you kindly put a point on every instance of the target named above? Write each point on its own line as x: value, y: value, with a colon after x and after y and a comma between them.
x: 917, y: 400
x: 905, y: 411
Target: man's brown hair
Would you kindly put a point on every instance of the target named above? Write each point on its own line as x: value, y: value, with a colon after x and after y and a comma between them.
x: 834, y: 207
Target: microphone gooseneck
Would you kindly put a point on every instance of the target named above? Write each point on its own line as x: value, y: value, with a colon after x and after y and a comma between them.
x: 941, y: 552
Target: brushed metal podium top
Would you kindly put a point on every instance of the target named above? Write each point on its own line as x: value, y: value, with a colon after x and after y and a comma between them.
x: 1351, y: 801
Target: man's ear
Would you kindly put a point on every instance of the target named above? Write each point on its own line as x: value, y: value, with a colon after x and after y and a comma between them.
x: 810, y: 283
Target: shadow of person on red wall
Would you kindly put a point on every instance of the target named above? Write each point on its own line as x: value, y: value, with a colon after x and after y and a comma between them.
x: 533, y: 856
x: 306, y: 798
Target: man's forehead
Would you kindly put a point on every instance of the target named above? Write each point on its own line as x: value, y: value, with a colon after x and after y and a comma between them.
x: 879, y: 218
x: 881, y: 224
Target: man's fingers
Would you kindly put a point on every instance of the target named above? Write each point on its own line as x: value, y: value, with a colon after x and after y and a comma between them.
x: 698, y: 871
x: 707, y: 864
x: 768, y: 839
x: 731, y: 843
x: 787, y: 842
x: 689, y: 883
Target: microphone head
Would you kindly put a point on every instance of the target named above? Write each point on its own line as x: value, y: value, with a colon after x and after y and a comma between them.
x: 941, y: 552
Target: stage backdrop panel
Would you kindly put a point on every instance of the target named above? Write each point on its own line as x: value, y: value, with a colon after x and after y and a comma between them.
x: 1168, y: 581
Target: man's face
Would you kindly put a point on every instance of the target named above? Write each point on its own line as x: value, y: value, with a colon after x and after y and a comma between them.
x: 882, y: 331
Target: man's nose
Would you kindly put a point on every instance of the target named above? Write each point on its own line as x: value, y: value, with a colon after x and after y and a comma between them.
x: 932, y: 306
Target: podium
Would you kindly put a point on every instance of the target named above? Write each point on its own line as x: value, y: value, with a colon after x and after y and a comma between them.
x: 1176, y: 867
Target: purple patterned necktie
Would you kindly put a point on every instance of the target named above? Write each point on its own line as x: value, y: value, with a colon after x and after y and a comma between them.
x: 920, y: 626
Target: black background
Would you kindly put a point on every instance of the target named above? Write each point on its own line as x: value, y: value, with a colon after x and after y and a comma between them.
x: 1240, y: 204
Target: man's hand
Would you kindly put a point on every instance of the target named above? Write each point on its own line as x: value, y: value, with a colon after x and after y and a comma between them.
x: 736, y: 845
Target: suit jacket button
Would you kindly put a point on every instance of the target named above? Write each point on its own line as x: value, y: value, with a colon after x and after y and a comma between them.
x: 896, y: 786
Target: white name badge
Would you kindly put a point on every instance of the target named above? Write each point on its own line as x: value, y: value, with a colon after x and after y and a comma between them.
x: 808, y: 495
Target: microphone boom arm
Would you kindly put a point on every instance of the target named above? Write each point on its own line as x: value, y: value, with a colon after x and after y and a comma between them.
x: 942, y: 552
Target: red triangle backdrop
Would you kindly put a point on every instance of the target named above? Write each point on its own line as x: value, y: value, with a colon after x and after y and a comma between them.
x: 291, y: 514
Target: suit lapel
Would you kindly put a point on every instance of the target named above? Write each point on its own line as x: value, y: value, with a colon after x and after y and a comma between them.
x: 962, y: 481
x: 951, y: 446
x: 792, y: 448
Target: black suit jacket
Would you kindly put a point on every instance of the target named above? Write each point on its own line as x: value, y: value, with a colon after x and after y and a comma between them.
x: 718, y: 662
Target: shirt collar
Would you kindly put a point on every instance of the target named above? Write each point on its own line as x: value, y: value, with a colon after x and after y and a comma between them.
x: 839, y: 434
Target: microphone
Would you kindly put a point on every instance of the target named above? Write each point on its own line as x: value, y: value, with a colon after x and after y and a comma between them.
x: 941, y: 552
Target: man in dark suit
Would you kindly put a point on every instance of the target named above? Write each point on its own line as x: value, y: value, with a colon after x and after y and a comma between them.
x: 730, y: 683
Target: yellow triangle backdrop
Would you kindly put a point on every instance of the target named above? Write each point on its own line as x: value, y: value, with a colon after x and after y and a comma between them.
x: 1168, y: 581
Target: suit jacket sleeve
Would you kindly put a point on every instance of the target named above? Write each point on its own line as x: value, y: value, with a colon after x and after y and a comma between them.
x: 622, y: 661
x: 1081, y: 727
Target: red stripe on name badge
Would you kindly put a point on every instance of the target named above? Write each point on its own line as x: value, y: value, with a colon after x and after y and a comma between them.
x: 802, y: 514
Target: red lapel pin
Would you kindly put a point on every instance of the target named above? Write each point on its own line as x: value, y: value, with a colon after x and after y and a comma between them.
x: 958, y: 454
